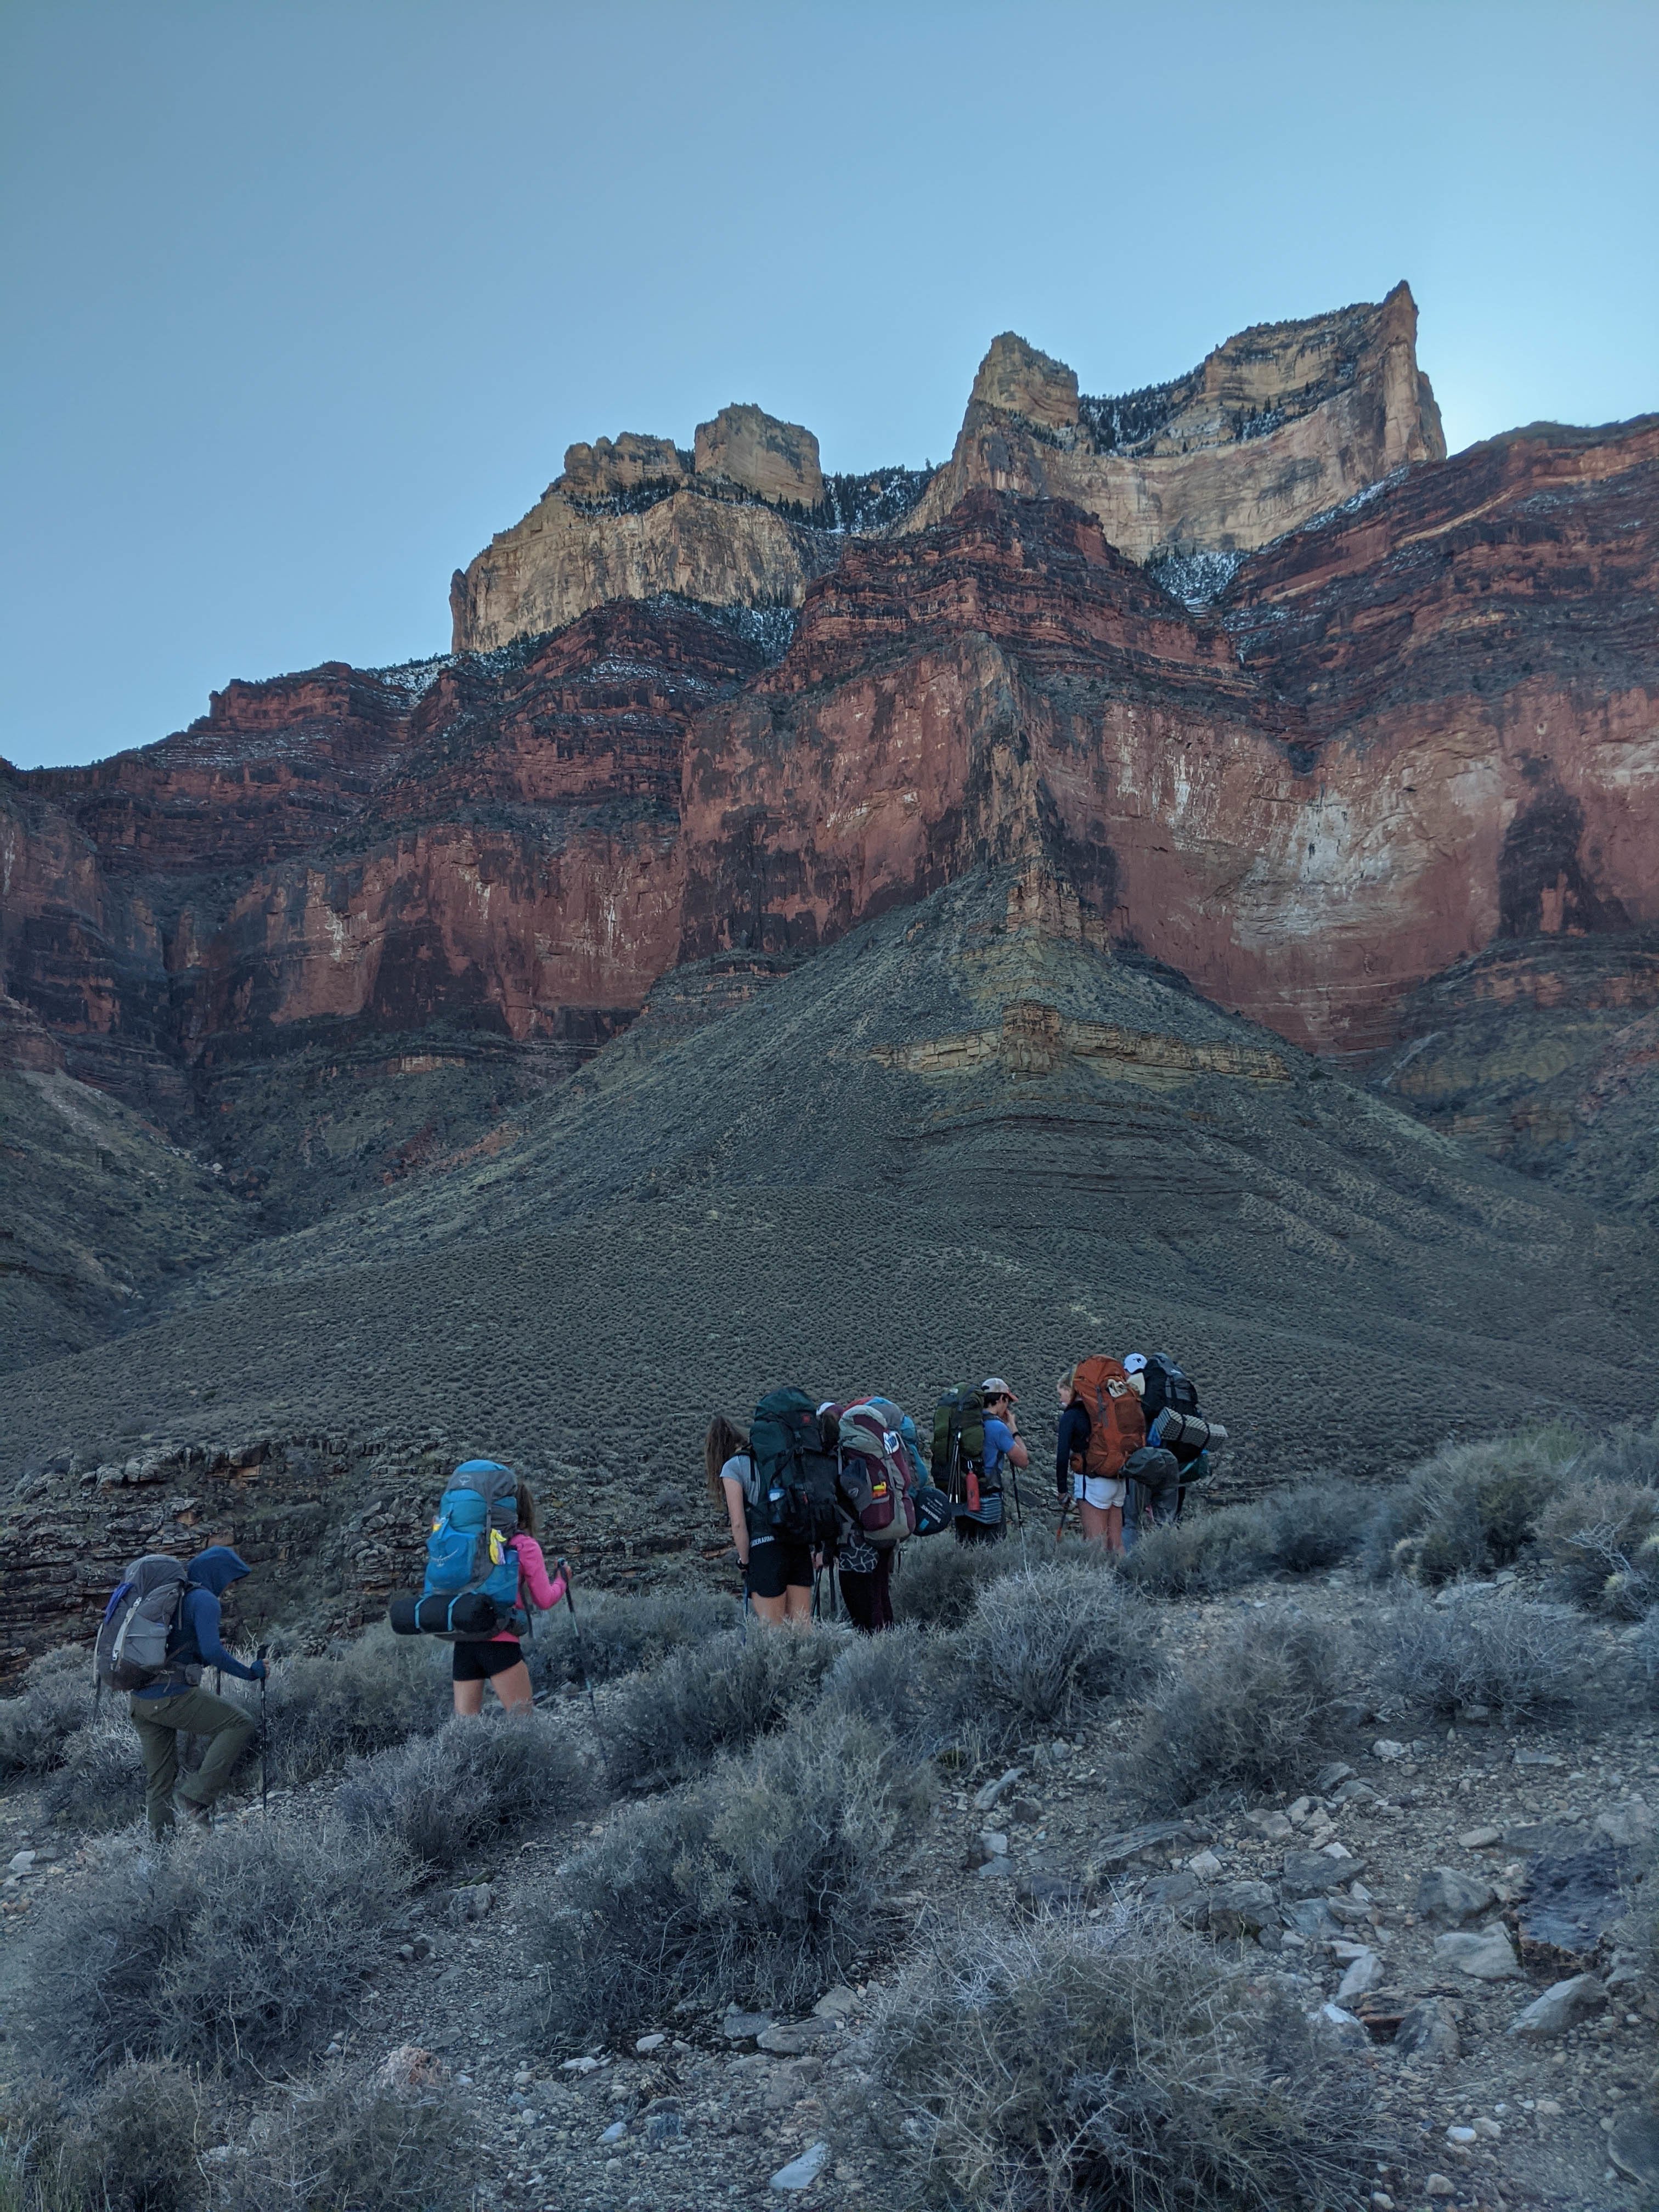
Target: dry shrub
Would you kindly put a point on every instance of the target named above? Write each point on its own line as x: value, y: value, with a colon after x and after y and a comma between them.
x: 1470, y: 1509
x: 904, y: 1682
x: 1603, y: 1538
x: 620, y: 1635
x: 1316, y: 1525
x: 763, y: 1883
x: 54, y: 1701
x: 441, y: 1798
x: 1202, y: 1554
x: 1255, y: 1714
x: 346, y: 1703
x: 935, y: 1581
x: 1039, y: 1647
x: 1120, y: 2066
x: 100, y: 1783
x: 719, y: 1695
x: 356, y: 2145
x: 1518, y: 1659
x: 241, y: 1949
x: 131, y: 2145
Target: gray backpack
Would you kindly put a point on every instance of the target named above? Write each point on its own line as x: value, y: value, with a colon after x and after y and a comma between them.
x: 132, y: 1640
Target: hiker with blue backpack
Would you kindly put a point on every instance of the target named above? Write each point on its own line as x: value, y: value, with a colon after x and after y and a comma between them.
x: 484, y: 1573
x: 160, y: 1631
x: 499, y: 1660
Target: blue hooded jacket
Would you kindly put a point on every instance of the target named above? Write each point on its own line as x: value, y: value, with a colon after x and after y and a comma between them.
x: 193, y: 1640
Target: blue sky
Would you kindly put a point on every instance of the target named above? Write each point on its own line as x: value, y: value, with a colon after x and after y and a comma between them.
x: 302, y: 302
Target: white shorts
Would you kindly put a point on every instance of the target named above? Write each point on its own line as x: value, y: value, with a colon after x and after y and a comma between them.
x: 1097, y: 1490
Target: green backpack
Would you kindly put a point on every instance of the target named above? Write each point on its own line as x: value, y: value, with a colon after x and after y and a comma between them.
x: 959, y: 1443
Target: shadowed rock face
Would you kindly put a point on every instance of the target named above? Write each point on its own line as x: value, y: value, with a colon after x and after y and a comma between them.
x: 1282, y: 422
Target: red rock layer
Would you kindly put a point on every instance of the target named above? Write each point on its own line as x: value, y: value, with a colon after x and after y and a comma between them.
x: 1422, y: 725
x: 496, y: 853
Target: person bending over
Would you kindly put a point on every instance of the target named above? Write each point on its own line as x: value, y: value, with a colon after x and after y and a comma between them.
x: 176, y: 1705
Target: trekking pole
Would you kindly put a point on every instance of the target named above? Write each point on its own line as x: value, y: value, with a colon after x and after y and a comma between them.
x: 265, y: 1741
x: 581, y: 1650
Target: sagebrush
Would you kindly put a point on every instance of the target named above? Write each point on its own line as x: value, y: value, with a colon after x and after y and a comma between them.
x: 1116, y: 2066
x: 358, y: 2144
x: 615, y: 1635
x: 440, y: 1799
x: 1519, y: 1659
x: 1297, y: 1531
x: 717, y: 1695
x: 98, y: 1782
x: 1255, y: 1713
x: 324, y: 1710
x: 1602, y: 1537
x: 753, y: 1885
x: 130, y: 2144
x: 1470, y: 1508
x: 54, y: 1700
x: 1038, y: 1648
x: 241, y: 1949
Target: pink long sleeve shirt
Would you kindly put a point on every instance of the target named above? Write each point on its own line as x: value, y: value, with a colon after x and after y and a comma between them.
x: 533, y: 1582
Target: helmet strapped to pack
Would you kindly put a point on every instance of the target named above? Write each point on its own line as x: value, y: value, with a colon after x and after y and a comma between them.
x: 1116, y: 1425
x: 131, y: 1651
x: 791, y: 1492
x: 471, y: 1588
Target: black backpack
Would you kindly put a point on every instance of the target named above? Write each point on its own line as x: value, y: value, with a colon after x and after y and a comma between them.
x: 1167, y: 1385
x: 792, y: 1491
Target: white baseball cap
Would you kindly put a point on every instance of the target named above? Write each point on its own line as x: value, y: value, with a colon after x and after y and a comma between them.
x: 994, y: 1387
x: 1133, y: 1362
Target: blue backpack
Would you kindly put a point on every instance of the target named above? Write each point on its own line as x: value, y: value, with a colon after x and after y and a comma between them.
x: 471, y: 1588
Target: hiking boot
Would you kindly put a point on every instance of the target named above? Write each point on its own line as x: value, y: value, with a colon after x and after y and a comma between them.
x: 194, y: 1814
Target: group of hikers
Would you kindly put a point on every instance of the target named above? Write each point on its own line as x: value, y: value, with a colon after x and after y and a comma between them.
x: 812, y: 1485
x: 839, y: 1487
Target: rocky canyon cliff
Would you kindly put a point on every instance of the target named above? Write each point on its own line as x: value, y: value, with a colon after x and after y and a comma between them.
x: 1360, y: 740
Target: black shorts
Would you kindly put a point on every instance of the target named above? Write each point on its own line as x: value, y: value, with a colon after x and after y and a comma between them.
x: 477, y: 1662
x: 777, y: 1567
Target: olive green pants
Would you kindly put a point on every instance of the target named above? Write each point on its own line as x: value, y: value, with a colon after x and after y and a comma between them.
x: 160, y: 1722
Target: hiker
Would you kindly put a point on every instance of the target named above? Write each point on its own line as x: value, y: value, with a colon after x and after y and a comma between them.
x: 777, y: 1574
x: 1004, y: 1447
x: 499, y: 1660
x: 1154, y: 1473
x: 1099, y: 1499
x: 866, y: 1566
x: 176, y: 1705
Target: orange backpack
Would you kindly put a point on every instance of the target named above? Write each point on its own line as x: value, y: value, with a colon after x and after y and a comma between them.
x: 1116, y: 1426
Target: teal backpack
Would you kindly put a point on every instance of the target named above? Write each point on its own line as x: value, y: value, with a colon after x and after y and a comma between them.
x: 471, y: 1590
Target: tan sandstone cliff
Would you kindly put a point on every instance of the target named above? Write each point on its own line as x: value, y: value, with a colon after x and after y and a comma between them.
x: 629, y: 518
x: 1280, y: 423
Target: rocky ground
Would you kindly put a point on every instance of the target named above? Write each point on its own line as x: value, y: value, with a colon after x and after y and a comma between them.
x: 1449, y: 1896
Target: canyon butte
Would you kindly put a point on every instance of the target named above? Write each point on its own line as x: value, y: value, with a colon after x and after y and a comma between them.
x: 1189, y: 863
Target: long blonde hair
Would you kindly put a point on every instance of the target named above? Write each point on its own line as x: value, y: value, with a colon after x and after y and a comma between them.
x: 722, y: 1443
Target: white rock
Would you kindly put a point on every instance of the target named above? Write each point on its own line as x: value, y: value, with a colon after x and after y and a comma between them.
x: 650, y: 2043
x: 1562, y: 2006
x: 1631, y: 1823
x: 21, y: 1862
x: 1387, y: 1750
x: 615, y: 2132
x: 1205, y: 1864
x: 995, y: 1841
x: 838, y: 2003
x: 1460, y: 2135
x: 801, y: 2172
x: 1487, y: 1957
x: 1273, y: 1825
x: 1338, y: 2026
x: 988, y: 1796
x: 580, y: 2065
x: 1364, y: 1973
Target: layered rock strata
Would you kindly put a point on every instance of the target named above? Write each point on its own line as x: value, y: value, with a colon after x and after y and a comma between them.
x: 1282, y: 422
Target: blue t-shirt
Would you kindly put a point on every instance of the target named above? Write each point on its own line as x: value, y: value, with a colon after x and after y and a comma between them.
x: 999, y: 1443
